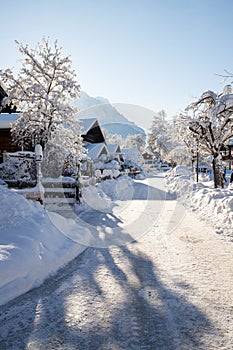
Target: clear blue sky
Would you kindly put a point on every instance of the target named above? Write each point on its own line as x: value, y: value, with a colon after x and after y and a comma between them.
x: 153, y: 53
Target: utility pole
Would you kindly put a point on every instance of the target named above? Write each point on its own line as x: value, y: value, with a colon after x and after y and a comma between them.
x: 197, y: 159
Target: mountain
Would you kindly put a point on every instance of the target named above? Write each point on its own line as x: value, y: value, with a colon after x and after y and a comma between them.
x: 124, y: 129
x: 107, y: 115
x: 98, y: 107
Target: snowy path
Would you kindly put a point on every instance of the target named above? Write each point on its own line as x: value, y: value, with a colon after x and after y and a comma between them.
x: 164, y: 291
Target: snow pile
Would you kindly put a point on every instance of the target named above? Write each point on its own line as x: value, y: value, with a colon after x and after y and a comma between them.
x: 31, y: 247
x: 179, y: 182
x: 119, y: 189
x: 216, y: 206
x: 103, y: 195
x: 95, y: 198
x: 180, y: 170
x: 213, y: 205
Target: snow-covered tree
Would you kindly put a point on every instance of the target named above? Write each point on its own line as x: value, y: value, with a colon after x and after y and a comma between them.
x: 134, y: 141
x: 210, y: 119
x: 133, y: 155
x: 42, y: 91
x: 62, y: 149
x: 157, y: 138
x: 112, y: 138
x: 186, y: 137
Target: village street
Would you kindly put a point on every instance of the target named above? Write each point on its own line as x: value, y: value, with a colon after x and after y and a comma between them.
x: 167, y: 286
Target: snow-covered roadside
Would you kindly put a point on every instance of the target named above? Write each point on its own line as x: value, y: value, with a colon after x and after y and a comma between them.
x: 214, y: 205
x: 32, y: 247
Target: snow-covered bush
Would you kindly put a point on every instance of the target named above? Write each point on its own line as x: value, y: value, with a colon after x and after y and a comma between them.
x: 19, y: 167
x: 133, y: 155
x: 111, y: 169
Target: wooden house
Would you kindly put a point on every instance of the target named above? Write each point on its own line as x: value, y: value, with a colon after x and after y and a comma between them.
x: 91, y: 131
x: 115, y: 152
x: 6, y: 144
x: 7, y: 116
x: 97, y: 151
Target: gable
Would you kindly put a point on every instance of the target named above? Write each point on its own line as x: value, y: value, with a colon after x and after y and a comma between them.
x: 118, y: 150
x: 114, y: 148
x: 92, y: 132
x: 95, y: 150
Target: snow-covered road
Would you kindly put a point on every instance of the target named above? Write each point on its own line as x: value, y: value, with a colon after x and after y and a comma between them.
x: 168, y: 288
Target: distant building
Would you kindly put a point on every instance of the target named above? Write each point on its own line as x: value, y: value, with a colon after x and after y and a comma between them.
x: 115, y: 152
x: 97, y: 151
x: 91, y: 131
x: 149, y: 160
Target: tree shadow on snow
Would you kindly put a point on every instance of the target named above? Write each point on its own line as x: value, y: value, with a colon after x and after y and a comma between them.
x: 104, y: 299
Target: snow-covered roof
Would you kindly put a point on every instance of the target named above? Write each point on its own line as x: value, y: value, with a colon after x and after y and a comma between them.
x: 6, y: 119
x: 87, y: 124
x: 114, y: 148
x: 91, y: 132
x: 94, y: 150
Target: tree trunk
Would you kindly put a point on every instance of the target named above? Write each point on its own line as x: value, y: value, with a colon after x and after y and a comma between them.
x: 218, y: 174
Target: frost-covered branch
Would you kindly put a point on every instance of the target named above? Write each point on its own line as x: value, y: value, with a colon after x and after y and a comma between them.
x: 42, y: 92
x: 211, y: 122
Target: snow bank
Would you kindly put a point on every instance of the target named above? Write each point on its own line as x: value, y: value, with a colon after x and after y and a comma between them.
x: 118, y: 189
x: 214, y: 205
x: 95, y: 198
x: 31, y: 247
x: 35, y: 243
x: 180, y: 170
x: 103, y: 195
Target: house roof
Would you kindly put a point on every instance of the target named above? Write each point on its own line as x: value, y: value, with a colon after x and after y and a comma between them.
x: 87, y: 124
x: 91, y: 132
x: 114, y: 148
x: 94, y: 150
x: 6, y: 119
